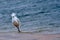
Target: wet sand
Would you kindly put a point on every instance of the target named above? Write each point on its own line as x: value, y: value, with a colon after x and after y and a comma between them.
x: 28, y: 36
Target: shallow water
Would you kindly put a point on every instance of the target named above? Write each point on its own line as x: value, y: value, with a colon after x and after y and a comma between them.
x: 35, y: 15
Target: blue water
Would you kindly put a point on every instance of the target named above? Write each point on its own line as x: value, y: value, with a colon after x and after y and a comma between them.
x: 35, y: 15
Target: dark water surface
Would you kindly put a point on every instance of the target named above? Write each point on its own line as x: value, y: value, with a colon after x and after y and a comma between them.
x: 35, y: 15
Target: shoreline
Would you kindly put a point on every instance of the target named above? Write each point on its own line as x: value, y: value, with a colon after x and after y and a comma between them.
x: 28, y: 36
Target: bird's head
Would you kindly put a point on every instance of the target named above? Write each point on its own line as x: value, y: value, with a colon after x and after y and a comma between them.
x: 13, y: 14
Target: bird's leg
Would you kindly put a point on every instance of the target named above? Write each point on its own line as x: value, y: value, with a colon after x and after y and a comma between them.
x: 18, y: 29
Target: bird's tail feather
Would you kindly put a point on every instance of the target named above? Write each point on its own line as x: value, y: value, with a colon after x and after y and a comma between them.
x: 18, y: 29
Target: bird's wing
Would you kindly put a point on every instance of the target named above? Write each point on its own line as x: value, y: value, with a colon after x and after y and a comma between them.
x: 18, y: 21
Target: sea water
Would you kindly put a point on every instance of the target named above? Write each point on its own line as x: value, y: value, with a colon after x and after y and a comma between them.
x: 35, y: 15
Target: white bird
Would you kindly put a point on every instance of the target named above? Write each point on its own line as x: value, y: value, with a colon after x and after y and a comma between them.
x: 15, y: 21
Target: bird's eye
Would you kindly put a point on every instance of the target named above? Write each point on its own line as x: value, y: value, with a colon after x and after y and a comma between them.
x: 12, y: 16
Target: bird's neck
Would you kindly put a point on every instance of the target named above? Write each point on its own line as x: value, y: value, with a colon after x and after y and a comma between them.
x: 14, y: 17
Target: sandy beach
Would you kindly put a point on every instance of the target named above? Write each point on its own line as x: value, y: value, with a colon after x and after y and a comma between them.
x: 28, y: 36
